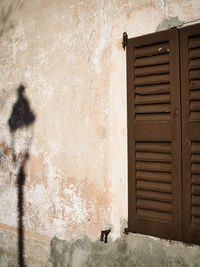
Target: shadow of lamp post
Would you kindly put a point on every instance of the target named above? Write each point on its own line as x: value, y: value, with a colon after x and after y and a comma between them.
x: 20, y: 123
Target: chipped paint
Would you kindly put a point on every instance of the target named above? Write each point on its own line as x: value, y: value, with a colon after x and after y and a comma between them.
x: 71, y: 206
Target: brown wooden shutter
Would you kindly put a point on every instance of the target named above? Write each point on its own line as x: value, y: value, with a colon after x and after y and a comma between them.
x: 190, y: 90
x: 154, y: 136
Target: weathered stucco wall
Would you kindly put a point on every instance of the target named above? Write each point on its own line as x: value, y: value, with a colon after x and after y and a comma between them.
x: 68, y: 55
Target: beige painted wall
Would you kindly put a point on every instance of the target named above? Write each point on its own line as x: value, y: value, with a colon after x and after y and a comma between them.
x: 68, y: 54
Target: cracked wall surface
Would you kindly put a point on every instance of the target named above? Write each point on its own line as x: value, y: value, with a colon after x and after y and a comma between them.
x: 68, y: 55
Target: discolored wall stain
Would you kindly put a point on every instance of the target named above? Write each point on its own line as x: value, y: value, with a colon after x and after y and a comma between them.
x: 77, y: 206
x: 101, y: 130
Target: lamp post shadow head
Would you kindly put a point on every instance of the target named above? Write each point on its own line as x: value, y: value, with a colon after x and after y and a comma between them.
x: 22, y: 116
x: 21, y: 90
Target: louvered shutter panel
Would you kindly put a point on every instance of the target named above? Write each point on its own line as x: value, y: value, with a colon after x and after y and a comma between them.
x: 190, y: 90
x: 154, y: 136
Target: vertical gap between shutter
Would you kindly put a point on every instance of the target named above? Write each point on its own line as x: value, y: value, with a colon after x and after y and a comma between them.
x: 181, y: 156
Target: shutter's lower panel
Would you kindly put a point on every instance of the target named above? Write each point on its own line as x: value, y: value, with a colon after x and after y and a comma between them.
x: 153, y: 180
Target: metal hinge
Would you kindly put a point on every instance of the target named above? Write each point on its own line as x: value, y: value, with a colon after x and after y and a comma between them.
x: 125, y: 39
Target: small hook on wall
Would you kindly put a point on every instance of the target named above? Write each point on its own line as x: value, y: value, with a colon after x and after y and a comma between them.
x: 125, y: 39
x: 105, y: 234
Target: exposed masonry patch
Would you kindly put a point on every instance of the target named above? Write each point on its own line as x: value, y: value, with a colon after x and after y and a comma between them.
x: 169, y: 23
x: 129, y: 250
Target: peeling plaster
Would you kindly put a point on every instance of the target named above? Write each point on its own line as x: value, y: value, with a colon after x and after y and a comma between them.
x: 164, y: 7
x: 105, y: 34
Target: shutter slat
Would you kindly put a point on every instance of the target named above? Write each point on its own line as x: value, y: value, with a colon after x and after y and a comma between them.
x: 195, y: 105
x: 150, y: 50
x: 195, y: 115
x: 145, y: 194
x: 154, y: 205
x: 194, y: 63
x: 196, y: 178
x: 164, y: 147
x: 195, y: 167
x: 156, y: 108
x: 195, y: 189
x: 154, y: 214
x: 147, y: 156
x: 195, y: 94
x: 154, y: 176
x: 195, y: 158
x: 153, y: 117
x: 153, y: 89
x: 151, y: 99
x: 158, y: 69
x: 194, y: 41
x: 154, y: 186
x: 152, y: 79
x: 195, y: 147
x: 154, y: 60
x: 195, y: 74
x: 153, y: 166
x: 194, y: 53
x: 196, y: 211
x: 195, y: 84
x: 196, y: 200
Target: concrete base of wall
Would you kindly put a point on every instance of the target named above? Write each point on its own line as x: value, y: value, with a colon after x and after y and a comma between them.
x: 129, y: 250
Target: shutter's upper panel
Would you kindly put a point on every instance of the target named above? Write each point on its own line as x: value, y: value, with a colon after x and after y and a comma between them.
x: 152, y: 82
x: 154, y: 135
x: 194, y: 76
x: 190, y: 88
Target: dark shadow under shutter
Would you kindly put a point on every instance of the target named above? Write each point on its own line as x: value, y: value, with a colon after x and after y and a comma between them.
x: 190, y: 88
x: 154, y: 136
